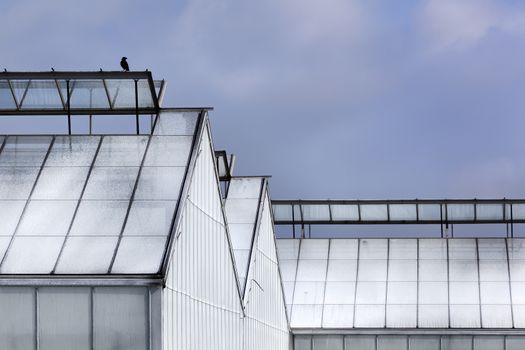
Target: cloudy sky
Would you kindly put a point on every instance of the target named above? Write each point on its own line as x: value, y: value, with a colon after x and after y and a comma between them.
x: 334, y: 98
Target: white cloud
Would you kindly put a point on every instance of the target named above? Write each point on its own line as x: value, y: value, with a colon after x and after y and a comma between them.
x: 460, y: 24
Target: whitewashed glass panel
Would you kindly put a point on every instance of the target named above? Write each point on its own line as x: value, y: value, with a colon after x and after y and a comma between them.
x: 518, y: 292
x: 32, y: 255
x: 373, y: 249
x: 402, y: 270
x: 464, y: 293
x: 339, y: 293
x: 308, y: 316
x: 371, y: 293
x: 51, y: 218
x: 288, y: 248
x: 168, y: 151
x: 160, y: 183
x: 401, y: 316
x: 175, y: 123
x: 374, y: 212
x: 342, y: 270
x: 402, y: 293
x: 282, y: 212
x: 489, y: 248
x: 369, y: 316
x: 121, y: 151
x: 463, y: 270
x: 400, y: 212
x: 24, y: 151
x: 314, y: 249
x: 242, y: 211
x: 288, y: 269
x: 430, y: 212
x: 465, y: 316
x: 315, y: 212
x: 433, y: 293
x: 150, y: 218
x: 139, y: 255
x: 344, y: 212
x: 338, y: 316
x: 433, y: 316
x: 343, y: 248
x: 516, y: 248
x: 17, y: 182
x: 495, y: 293
x: 493, y: 270
x: 111, y: 183
x: 109, y: 218
x: 10, y: 212
x: 245, y: 188
x: 311, y: 270
x: 403, y: 249
x: 372, y: 270
x: 60, y: 183
x: 496, y: 316
x: 433, y: 248
x: 460, y: 211
x: 309, y: 293
x: 462, y: 248
x: 87, y: 255
x: 433, y: 270
x: 518, y: 312
x: 73, y: 151
x: 489, y: 211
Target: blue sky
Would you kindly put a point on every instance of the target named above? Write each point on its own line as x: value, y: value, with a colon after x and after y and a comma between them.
x: 334, y: 99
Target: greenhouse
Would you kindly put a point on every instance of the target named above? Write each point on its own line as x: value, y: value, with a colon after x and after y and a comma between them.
x: 122, y: 227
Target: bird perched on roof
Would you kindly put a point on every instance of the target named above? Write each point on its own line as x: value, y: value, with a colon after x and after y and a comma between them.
x: 124, y: 64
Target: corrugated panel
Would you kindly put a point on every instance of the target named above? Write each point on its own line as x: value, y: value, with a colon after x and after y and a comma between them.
x: 201, y: 301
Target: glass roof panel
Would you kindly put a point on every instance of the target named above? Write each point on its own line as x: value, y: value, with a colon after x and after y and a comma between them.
x: 16, y: 182
x: 114, y: 183
x: 7, y: 100
x: 87, y: 255
x: 139, y: 255
x: 87, y: 94
x: 19, y: 88
x: 160, y: 183
x: 109, y: 218
x: 32, y: 255
x: 121, y: 151
x: 95, y: 91
x: 176, y: 123
x: 42, y: 94
x: 24, y: 151
x: 10, y: 212
x: 73, y: 151
x: 168, y: 151
x: 150, y: 218
x: 60, y: 183
x: 49, y: 218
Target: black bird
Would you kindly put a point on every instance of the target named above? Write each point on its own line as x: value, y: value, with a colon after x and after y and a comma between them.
x: 124, y: 64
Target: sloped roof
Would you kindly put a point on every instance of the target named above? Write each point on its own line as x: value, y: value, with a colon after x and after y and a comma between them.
x: 92, y: 204
x: 404, y: 283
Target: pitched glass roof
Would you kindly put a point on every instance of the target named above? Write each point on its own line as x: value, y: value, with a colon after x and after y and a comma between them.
x: 78, y: 92
x: 404, y: 283
x: 91, y: 204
